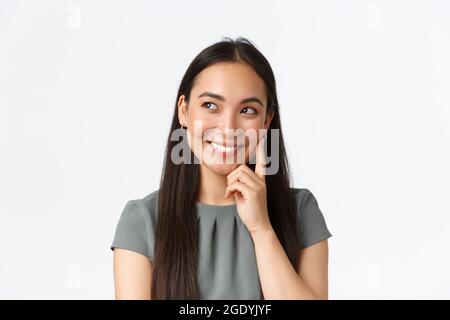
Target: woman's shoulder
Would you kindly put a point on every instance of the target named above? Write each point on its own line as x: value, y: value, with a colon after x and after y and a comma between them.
x: 149, y: 202
x: 304, y: 199
x: 302, y: 195
x: 146, y: 206
x: 299, y: 192
x: 136, y: 227
x: 312, y: 225
x: 149, y: 199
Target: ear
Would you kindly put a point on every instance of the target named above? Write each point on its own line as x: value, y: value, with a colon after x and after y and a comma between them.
x: 182, y: 110
x: 268, y: 120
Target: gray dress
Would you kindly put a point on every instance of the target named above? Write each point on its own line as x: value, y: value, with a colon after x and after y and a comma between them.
x: 227, y: 266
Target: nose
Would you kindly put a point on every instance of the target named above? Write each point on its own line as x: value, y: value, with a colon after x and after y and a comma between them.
x: 230, y: 129
x: 228, y: 124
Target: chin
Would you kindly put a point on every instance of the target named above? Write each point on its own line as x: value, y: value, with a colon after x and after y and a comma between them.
x: 222, y: 169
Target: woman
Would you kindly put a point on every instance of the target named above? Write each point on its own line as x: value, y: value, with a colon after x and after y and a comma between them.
x: 220, y: 229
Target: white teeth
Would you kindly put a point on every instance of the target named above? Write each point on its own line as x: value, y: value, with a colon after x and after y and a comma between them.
x: 221, y: 148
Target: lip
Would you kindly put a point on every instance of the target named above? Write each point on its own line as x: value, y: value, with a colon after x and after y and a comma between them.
x: 224, y: 149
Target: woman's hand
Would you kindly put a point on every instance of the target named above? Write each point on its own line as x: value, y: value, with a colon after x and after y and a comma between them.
x: 249, y: 190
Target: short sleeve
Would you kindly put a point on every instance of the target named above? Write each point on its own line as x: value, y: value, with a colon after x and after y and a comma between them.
x: 132, y: 231
x: 312, y: 225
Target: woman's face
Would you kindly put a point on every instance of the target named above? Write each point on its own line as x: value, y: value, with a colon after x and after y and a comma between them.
x: 226, y: 111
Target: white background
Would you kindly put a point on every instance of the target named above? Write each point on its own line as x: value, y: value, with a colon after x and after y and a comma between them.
x: 87, y: 91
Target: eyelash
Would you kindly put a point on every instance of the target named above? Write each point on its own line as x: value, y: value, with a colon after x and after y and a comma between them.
x: 203, y: 105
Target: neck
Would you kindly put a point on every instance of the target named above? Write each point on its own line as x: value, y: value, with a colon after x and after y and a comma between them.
x: 212, y: 188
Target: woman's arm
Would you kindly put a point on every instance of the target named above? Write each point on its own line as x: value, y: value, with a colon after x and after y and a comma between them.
x: 279, y: 280
x: 132, y: 275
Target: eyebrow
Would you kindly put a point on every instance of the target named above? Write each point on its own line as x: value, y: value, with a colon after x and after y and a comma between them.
x: 221, y: 98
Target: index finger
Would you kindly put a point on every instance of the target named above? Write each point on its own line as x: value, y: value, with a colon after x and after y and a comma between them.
x: 261, y: 160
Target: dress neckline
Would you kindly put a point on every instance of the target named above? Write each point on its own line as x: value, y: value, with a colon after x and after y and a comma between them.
x: 211, y: 209
x: 200, y: 204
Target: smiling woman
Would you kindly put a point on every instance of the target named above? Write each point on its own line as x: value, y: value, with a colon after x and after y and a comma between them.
x: 224, y: 230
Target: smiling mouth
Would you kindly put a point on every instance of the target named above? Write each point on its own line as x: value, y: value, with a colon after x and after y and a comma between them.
x: 223, y: 149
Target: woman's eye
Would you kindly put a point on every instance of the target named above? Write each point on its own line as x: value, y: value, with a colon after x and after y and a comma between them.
x: 207, y: 105
x: 252, y: 110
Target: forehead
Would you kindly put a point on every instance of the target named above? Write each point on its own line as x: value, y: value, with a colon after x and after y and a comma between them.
x: 233, y: 80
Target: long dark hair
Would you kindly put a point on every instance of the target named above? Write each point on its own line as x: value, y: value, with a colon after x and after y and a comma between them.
x: 176, y: 246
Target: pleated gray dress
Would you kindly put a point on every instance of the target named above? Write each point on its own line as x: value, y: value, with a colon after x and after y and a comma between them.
x: 227, y: 266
